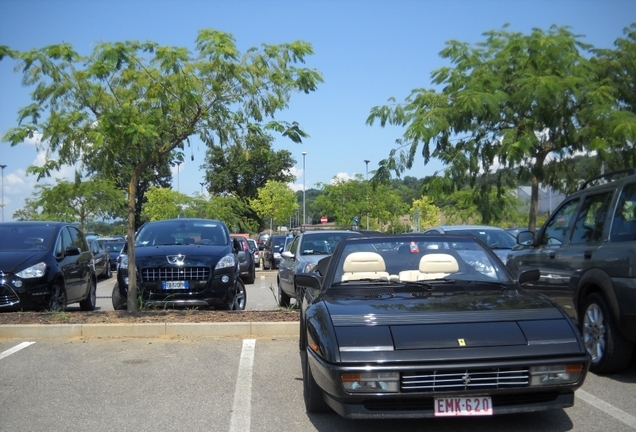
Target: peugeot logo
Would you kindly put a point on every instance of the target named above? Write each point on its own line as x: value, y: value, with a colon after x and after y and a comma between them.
x: 176, y: 259
x: 466, y: 379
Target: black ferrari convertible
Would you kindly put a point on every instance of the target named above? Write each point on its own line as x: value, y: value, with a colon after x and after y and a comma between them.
x: 431, y: 325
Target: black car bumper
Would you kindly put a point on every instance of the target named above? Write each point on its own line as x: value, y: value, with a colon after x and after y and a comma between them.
x: 217, y: 292
x: 417, y: 404
x: 32, y: 295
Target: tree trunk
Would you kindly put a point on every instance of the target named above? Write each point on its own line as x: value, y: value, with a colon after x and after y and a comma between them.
x: 132, y: 267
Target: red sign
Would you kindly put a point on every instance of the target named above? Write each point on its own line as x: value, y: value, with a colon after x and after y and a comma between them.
x: 323, y: 219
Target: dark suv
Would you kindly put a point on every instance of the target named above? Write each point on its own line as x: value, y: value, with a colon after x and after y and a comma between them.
x: 247, y: 264
x: 184, y: 262
x: 45, y: 265
x: 274, y: 246
x: 586, y: 252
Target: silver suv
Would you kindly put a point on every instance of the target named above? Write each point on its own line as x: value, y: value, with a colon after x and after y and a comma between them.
x: 586, y: 252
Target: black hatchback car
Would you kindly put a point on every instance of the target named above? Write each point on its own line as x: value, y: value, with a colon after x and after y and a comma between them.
x: 45, y: 265
x: 183, y: 262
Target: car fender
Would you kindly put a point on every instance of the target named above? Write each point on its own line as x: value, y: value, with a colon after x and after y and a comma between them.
x: 320, y: 333
x: 592, y: 280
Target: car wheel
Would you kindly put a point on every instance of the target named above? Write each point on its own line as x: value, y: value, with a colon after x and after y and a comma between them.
x: 88, y: 304
x: 252, y: 277
x: 313, y: 395
x: 119, y: 302
x: 240, y: 296
x: 109, y: 272
x: 609, y: 350
x: 283, y: 299
x: 57, y: 300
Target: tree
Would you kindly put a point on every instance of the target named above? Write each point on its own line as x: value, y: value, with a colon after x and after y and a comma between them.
x: 343, y: 200
x: 242, y: 168
x: 146, y: 101
x: 78, y: 202
x: 425, y: 213
x: 512, y: 99
x: 275, y: 201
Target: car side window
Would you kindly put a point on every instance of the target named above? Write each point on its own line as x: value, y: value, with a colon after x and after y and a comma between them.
x: 77, y: 239
x: 624, y: 223
x: 294, y: 245
x: 590, y: 222
x: 557, y: 226
x: 63, y: 242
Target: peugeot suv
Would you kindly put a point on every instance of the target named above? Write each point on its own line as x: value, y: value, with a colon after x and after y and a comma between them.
x: 183, y: 263
x: 586, y: 253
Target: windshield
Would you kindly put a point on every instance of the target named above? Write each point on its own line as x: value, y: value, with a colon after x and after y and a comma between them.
x: 182, y: 231
x: 417, y: 258
x: 495, y: 239
x: 322, y: 243
x: 113, y: 246
x: 26, y: 237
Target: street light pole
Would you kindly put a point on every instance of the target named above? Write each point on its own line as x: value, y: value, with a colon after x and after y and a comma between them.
x: 2, y: 167
x: 366, y: 162
x: 178, y: 165
x: 304, y: 214
x: 202, y: 183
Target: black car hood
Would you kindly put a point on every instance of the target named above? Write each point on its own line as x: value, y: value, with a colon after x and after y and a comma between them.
x: 193, y: 255
x: 15, y: 261
x: 367, y: 320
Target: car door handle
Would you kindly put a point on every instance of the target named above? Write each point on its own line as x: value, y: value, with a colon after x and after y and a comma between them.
x: 550, y: 253
x: 587, y: 255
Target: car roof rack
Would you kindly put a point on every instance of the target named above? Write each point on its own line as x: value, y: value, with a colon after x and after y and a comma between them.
x: 610, y: 176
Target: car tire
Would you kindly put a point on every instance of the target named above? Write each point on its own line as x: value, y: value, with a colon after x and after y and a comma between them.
x: 312, y: 393
x: 252, y: 277
x: 609, y: 350
x: 282, y: 298
x: 57, y: 300
x: 240, y: 297
x: 119, y: 302
x: 109, y: 272
x: 89, y: 303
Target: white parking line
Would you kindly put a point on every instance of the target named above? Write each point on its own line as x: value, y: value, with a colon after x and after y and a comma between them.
x: 242, y: 405
x: 15, y: 349
x: 617, y: 413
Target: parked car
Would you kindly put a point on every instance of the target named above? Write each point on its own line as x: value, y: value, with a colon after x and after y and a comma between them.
x: 184, y: 262
x: 440, y: 330
x: 586, y: 252
x: 255, y: 252
x: 247, y: 265
x: 262, y: 239
x: 497, y: 239
x: 305, y: 250
x: 101, y: 259
x: 273, y: 248
x: 114, y: 246
x: 45, y: 265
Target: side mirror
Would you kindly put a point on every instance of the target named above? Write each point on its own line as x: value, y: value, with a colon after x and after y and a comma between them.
x: 72, y: 251
x: 525, y: 238
x: 308, y: 280
x: 529, y: 276
x: 287, y: 255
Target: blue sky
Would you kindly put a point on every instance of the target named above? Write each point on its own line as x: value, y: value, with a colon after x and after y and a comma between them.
x: 367, y: 51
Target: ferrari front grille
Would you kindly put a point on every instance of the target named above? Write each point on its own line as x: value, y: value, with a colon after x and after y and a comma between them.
x: 175, y: 274
x: 464, y: 379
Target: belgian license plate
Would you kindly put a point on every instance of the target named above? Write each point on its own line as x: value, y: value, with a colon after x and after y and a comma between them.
x: 463, y: 406
x: 173, y: 285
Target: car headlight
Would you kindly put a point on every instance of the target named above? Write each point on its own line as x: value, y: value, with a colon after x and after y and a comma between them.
x: 225, y: 262
x: 371, y: 382
x: 35, y: 271
x: 555, y: 374
x: 309, y: 267
x: 123, y: 262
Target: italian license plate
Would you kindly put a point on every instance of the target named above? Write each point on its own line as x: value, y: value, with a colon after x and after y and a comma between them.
x: 173, y: 285
x: 463, y: 406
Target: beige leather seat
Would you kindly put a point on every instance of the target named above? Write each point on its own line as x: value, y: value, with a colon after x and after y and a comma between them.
x: 432, y: 266
x: 364, y: 265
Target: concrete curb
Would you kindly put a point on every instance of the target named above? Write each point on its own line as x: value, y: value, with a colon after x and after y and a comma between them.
x: 226, y: 329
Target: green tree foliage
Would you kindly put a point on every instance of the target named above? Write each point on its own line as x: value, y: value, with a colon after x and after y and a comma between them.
x: 146, y: 100
x: 242, y: 168
x: 425, y: 213
x: 164, y: 203
x: 342, y: 200
x: 512, y: 99
x: 80, y: 202
x: 275, y: 202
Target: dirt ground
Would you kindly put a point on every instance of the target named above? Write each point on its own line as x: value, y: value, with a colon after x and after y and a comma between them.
x: 147, y: 316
